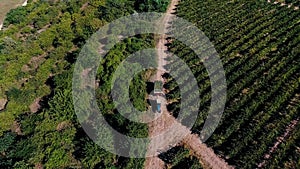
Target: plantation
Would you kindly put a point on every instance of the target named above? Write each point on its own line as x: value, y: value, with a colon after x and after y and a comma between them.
x: 258, y: 44
x: 38, y: 49
x: 293, y: 2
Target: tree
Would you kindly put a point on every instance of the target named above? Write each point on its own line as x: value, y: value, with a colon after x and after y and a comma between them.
x: 15, y: 16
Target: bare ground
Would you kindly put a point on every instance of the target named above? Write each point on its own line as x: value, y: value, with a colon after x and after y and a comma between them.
x: 205, y: 154
x: 3, y: 103
x: 165, y: 122
x: 35, y: 106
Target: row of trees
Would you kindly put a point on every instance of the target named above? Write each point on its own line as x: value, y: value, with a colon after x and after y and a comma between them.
x: 37, y: 53
x: 180, y: 157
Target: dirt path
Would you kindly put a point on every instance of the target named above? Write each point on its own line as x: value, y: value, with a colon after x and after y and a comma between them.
x: 164, y: 121
x: 162, y: 40
x: 280, y: 139
x: 154, y: 163
x: 206, y: 155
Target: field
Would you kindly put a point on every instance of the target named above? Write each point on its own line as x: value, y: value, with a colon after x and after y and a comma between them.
x: 258, y: 43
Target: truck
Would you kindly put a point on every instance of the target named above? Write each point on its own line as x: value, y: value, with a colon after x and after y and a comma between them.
x: 158, y: 106
x: 158, y: 87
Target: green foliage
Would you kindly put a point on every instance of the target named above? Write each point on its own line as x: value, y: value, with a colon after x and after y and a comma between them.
x: 151, y: 5
x: 6, y: 143
x: 179, y: 157
x: 261, y: 65
x: 16, y: 16
x: 111, y: 9
x: 18, y: 95
x: 137, y: 92
x: 37, y: 53
x: 92, y: 155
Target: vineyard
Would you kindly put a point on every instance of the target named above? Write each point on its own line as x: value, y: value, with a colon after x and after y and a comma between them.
x: 292, y: 2
x: 38, y: 48
x: 258, y: 43
x: 180, y: 157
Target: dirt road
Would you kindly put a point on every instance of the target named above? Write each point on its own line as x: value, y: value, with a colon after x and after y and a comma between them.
x: 164, y: 121
x: 160, y: 46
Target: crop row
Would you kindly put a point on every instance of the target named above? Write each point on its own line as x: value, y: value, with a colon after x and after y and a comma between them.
x: 259, y: 47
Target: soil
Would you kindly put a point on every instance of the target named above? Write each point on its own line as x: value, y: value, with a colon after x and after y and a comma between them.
x: 35, y: 106
x: 16, y: 128
x: 165, y: 121
x: 3, y: 103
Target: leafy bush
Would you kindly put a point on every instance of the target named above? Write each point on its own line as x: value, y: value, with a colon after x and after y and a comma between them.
x: 15, y: 16
x: 151, y: 5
